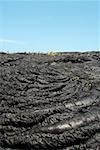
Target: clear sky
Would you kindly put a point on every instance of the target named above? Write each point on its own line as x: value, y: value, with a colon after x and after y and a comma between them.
x: 49, y: 25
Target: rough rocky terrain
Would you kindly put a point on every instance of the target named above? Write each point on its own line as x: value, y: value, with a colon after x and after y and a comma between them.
x: 50, y: 102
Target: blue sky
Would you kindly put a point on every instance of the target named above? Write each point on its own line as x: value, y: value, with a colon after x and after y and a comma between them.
x: 43, y: 26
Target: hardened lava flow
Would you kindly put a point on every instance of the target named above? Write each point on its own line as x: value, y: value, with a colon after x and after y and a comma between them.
x: 50, y: 101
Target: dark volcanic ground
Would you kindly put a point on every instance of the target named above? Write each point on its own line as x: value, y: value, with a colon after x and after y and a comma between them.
x: 50, y: 102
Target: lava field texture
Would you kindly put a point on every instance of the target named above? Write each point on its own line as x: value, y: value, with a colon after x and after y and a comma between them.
x: 50, y: 101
